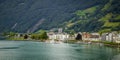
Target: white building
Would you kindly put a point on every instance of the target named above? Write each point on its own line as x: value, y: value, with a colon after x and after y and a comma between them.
x: 117, y: 38
x: 107, y: 37
x: 95, y: 37
x: 111, y: 37
x: 58, y: 36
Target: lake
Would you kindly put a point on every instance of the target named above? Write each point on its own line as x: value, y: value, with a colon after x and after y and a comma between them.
x: 29, y: 50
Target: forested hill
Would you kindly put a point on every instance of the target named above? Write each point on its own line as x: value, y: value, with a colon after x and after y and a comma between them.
x: 77, y: 15
x: 98, y: 18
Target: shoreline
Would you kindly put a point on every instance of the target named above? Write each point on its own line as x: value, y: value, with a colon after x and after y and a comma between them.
x: 108, y: 44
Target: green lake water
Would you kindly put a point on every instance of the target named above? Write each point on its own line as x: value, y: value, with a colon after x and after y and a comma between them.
x: 29, y: 50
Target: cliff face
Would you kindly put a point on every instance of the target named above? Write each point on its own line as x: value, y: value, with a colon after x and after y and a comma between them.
x: 32, y: 15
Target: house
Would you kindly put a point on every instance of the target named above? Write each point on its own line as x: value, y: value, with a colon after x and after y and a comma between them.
x: 111, y: 37
x: 95, y: 36
x: 58, y: 36
x: 117, y: 38
x: 107, y: 37
x: 85, y: 36
x: 91, y: 36
x: 23, y: 35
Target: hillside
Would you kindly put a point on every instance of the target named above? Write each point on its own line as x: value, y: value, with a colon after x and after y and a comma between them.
x: 98, y: 18
x: 77, y: 15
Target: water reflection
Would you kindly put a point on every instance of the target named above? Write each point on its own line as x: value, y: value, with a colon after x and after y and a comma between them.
x: 28, y: 50
x: 9, y: 47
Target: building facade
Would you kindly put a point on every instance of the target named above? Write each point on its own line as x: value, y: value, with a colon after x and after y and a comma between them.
x: 58, y: 36
x: 91, y: 36
x: 111, y: 37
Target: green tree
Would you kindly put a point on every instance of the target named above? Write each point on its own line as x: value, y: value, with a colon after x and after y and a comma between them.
x: 44, y: 35
x: 79, y: 37
x: 26, y: 36
x: 4, y: 33
x: 40, y: 35
x: 12, y: 34
x: 35, y: 36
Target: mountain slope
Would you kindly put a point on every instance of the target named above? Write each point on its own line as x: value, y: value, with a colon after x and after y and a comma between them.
x: 102, y: 18
x: 32, y: 15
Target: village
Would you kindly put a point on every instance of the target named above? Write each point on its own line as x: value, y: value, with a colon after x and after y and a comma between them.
x: 61, y: 36
x: 85, y: 36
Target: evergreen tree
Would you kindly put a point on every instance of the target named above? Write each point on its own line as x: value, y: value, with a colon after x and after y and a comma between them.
x: 79, y: 37
x: 26, y: 36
